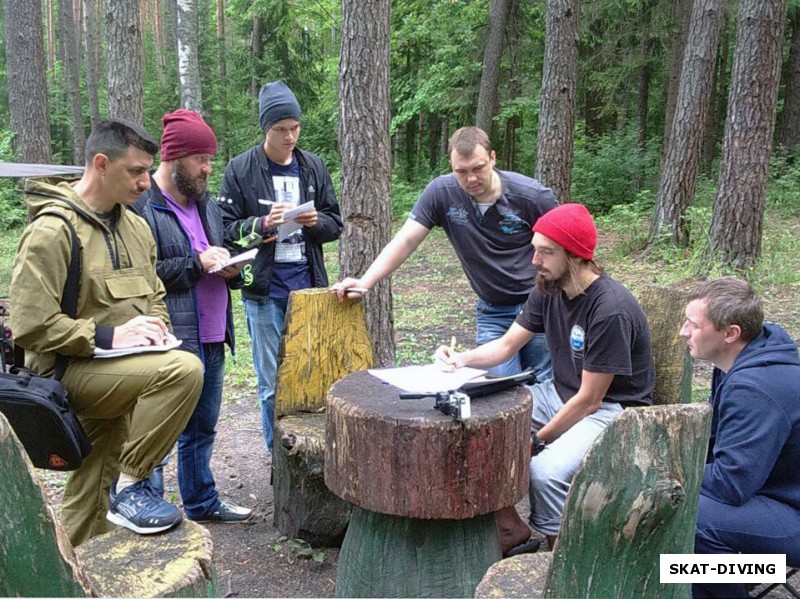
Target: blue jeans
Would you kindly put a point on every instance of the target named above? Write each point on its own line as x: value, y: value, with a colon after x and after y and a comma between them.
x: 196, y: 443
x: 265, y: 324
x: 492, y: 321
x: 761, y: 525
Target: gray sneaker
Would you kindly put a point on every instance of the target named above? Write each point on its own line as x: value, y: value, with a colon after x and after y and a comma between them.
x: 226, y: 512
x: 139, y: 508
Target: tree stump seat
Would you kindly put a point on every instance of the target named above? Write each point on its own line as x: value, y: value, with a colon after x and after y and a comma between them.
x: 323, y: 340
x: 37, y: 559
x: 633, y: 498
x: 424, y: 487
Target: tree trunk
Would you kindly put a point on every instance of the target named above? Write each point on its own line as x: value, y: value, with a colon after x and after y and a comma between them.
x: 790, y: 120
x: 222, y: 73
x: 559, y: 82
x: 679, y: 175
x: 188, y: 67
x: 492, y: 56
x: 51, y: 33
x: 681, y: 9
x: 124, y: 60
x: 257, y: 51
x: 366, y: 157
x: 645, y: 74
x: 716, y: 109
x: 91, y: 25
x: 70, y: 52
x: 27, y: 83
x: 744, y: 171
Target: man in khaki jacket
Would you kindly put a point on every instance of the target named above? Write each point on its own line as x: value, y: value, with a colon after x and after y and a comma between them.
x: 132, y: 407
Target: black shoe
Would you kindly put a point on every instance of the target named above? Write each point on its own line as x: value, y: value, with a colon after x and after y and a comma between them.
x: 529, y: 546
x: 226, y: 512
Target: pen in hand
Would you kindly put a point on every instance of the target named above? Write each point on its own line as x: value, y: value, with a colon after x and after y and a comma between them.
x: 452, y: 344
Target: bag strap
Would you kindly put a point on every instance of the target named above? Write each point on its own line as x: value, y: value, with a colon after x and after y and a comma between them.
x: 69, y: 298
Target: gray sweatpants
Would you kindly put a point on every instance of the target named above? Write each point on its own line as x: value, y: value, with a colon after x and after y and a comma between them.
x: 553, y: 469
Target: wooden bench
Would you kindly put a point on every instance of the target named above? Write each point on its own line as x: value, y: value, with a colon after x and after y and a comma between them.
x: 323, y: 340
x: 634, y: 497
x: 37, y: 559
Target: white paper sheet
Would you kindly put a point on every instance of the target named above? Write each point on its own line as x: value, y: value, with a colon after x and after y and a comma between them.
x: 139, y: 349
x: 423, y: 379
x: 290, y: 226
x: 245, y: 257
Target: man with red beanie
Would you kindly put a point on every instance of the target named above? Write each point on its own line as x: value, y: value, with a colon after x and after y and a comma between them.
x: 187, y: 227
x: 602, y: 363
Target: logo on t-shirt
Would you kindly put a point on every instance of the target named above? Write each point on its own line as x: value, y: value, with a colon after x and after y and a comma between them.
x: 511, y: 224
x: 577, y: 339
x: 457, y: 215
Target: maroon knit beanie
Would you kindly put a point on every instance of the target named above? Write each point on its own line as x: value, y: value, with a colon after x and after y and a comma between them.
x: 186, y: 134
x: 572, y: 227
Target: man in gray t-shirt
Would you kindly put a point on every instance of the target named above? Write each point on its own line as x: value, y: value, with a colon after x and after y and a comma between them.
x: 487, y: 215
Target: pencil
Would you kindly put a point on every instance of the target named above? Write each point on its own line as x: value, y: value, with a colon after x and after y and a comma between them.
x: 452, y: 344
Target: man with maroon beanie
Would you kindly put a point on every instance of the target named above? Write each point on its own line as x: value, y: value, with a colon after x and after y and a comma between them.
x: 187, y: 227
x: 599, y: 341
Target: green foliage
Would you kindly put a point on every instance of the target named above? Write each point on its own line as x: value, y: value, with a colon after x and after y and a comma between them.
x: 297, y: 548
x: 607, y: 171
x: 12, y: 207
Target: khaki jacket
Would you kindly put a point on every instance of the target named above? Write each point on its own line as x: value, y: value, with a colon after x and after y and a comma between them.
x: 118, y: 277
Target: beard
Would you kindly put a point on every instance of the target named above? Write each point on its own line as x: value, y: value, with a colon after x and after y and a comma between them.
x: 191, y: 187
x: 550, y: 286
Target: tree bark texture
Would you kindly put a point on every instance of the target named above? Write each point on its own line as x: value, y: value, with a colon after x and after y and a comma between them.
x: 27, y: 84
x: 492, y: 57
x: 681, y: 10
x: 789, y: 135
x: 323, y: 340
x: 91, y: 26
x: 70, y: 51
x: 124, y: 60
x: 679, y: 173
x: 188, y: 63
x: 744, y: 171
x: 405, y: 458
x: 559, y: 83
x: 365, y: 147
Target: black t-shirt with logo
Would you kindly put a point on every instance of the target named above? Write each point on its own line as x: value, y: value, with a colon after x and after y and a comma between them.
x: 603, y: 330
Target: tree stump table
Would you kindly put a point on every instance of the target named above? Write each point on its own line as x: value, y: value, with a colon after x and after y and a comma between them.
x: 424, y: 486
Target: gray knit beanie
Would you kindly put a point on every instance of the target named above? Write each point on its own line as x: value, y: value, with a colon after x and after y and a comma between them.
x: 276, y: 102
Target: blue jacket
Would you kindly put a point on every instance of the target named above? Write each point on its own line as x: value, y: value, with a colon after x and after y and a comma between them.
x: 755, y: 431
x: 178, y: 266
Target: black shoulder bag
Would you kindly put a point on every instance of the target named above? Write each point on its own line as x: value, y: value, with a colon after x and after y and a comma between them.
x: 37, y: 407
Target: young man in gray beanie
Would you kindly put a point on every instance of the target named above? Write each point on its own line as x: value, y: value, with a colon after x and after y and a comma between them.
x: 259, y: 186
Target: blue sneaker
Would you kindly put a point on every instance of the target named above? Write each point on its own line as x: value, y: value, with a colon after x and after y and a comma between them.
x: 140, y: 509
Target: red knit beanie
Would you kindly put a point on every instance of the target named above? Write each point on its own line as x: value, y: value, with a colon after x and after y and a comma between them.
x: 572, y: 227
x: 186, y: 134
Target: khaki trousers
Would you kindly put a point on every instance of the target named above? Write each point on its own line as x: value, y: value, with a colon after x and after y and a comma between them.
x: 133, y: 409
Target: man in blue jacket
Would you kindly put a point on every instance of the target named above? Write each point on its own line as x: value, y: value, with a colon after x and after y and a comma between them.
x: 750, y: 496
x: 259, y: 186
x: 187, y: 227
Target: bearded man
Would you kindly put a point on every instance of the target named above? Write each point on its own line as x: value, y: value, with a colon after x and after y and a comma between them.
x: 600, y: 345
x: 187, y: 227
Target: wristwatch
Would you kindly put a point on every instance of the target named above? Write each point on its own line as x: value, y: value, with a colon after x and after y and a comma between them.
x: 538, y: 444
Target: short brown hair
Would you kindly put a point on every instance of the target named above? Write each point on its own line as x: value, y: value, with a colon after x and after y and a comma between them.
x: 465, y: 140
x: 731, y: 300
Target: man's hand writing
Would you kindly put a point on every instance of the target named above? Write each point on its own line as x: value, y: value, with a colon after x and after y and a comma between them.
x: 213, y: 258
x: 141, y: 330
x: 447, y: 358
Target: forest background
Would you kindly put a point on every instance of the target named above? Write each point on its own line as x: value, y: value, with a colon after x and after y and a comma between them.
x: 675, y: 121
